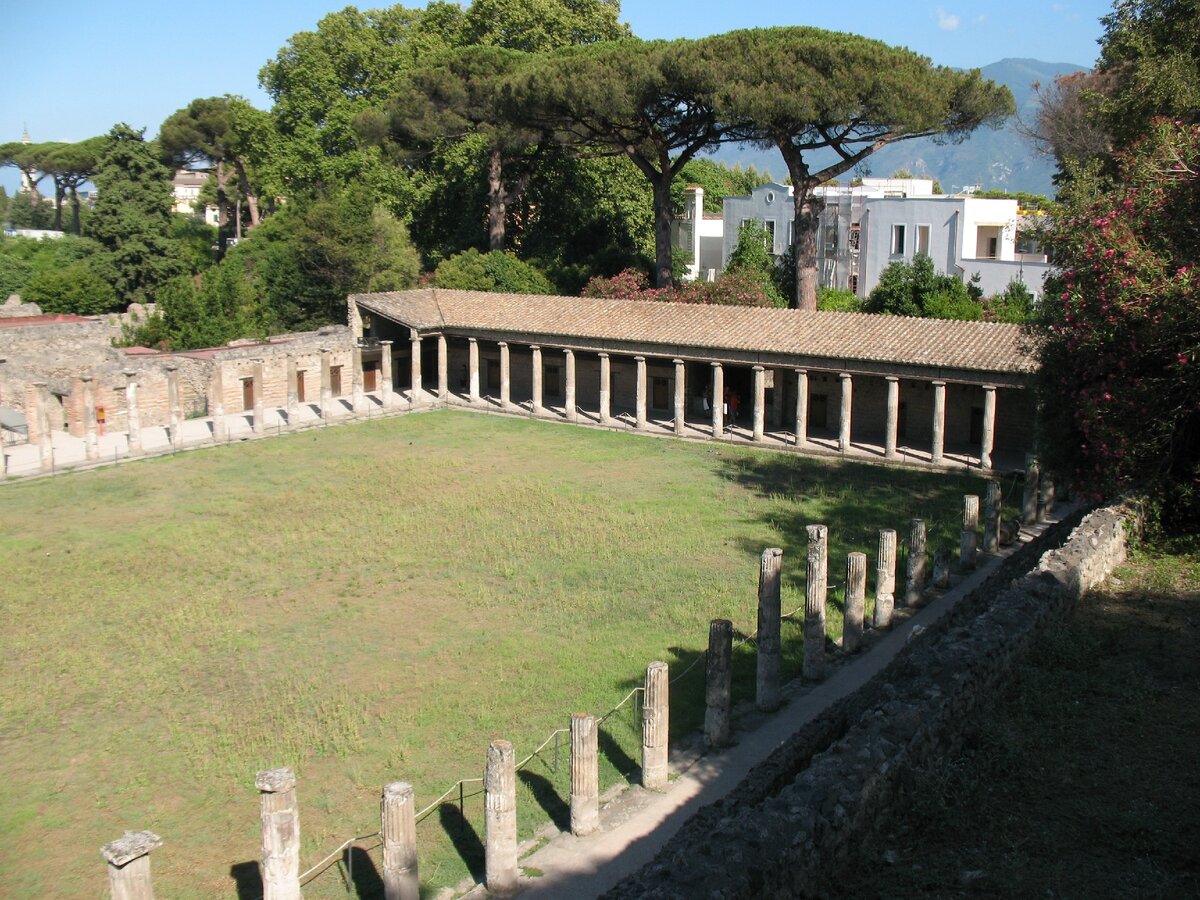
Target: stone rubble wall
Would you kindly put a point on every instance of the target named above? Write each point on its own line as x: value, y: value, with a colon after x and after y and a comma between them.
x: 802, y: 812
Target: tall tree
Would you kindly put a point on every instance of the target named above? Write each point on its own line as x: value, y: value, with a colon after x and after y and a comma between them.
x: 72, y: 165
x: 132, y: 217
x: 808, y: 90
x: 536, y: 26
x: 28, y: 159
x: 643, y: 100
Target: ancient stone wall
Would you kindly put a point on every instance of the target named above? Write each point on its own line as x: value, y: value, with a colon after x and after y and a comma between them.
x: 800, y: 813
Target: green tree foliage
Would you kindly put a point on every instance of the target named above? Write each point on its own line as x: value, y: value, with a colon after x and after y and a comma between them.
x: 27, y: 210
x: 71, y: 166
x: 535, y: 26
x: 132, y: 217
x: 21, y: 259
x: 4, y: 198
x: 1120, y: 357
x: 917, y: 289
x: 75, y: 289
x: 751, y: 257
x: 838, y: 300
x: 494, y: 271
x: 806, y: 90
x: 1014, y: 304
x: 718, y: 180
x: 14, y: 274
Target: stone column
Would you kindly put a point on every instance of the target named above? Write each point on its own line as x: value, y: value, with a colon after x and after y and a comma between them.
x: 293, y: 391
x: 537, y: 379
x: 969, y: 542
x: 505, y: 377
x: 1033, y: 474
x: 280, y: 834
x: 941, y: 568
x: 128, y: 859
x: 856, y: 601
x: 216, y: 404
x: 91, y: 441
x: 640, y: 410
x: 938, y: 442
x: 443, y: 364
x: 718, y: 400
x: 473, y: 370
x: 989, y: 426
x: 326, y: 383
x: 133, y: 417
x: 847, y: 408
x: 718, y: 682
x: 256, y: 386
x: 914, y: 589
x: 991, y: 518
x: 415, y: 392
x: 357, y: 394
x: 41, y: 399
x: 500, y: 819
x: 769, y: 644
x: 893, y: 417
x: 1045, y: 505
x: 385, y: 374
x: 585, y: 774
x: 885, y: 579
x: 756, y: 433
x: 569, y: 384
x: 801, y: 408
x: 655, y: 727
x: 680, y: 397
x: 814, y: 602
x: 174, y: 412
x: 398, y: 827
x: 605, y: 389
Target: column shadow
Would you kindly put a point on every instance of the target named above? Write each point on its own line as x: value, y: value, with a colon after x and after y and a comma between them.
x: 364, y: 877
x: 465, y: 839
x: 629, y: 767
x: 547, y: 798
x: 247, y: 880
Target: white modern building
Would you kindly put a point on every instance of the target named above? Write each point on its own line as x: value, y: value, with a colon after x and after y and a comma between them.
x: 186, y: 186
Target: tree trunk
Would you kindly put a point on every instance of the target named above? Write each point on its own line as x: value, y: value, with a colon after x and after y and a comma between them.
x: 251, y: 200
x: 59, y: 192
x: 804, y: 231
x: 497, y: 200
x: 222, y: 208
x: 664, y: 275
x: 75, y: 210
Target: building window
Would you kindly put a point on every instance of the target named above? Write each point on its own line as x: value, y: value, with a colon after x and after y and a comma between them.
x: 897, y: 240
x: 923, y: 239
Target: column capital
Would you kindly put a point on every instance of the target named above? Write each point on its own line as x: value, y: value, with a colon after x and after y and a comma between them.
x: 844, y: 375
x: 936, y: 383
x: 132, y: 845
x: 128, y: 373
x: 678, y: 362
x: 757, y: 369
x: 989, y: 387
x: 84, y: 378
x: 716, y: 365
x: 640, y: 359
x: 603, y: 355
x: 41, y: 384
x: 473, y: 340
x: 385, y: 343
x: 892, y: 378
x: 800, y: 371
x: 172, y: 367
x: 503, y: 344
x: 535, y: 346
x: 414, y: 338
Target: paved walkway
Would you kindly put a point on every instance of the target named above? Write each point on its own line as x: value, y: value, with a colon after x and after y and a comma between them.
x: 70, y: 452
x: 638, y: 824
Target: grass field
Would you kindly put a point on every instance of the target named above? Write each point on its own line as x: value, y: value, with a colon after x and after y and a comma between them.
x: 373, y: 603
x: 1084, y: 782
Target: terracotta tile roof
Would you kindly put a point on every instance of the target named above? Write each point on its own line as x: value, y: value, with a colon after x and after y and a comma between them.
x: 934, y: 343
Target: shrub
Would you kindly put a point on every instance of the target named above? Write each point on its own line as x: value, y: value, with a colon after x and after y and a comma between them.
x: 838, y: 300
x: 76, y: 289
x: 496, y: 271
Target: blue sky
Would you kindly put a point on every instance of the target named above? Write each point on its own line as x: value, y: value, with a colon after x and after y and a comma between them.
x: 73, y: 68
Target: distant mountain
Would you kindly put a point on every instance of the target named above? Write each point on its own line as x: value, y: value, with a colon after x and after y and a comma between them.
x: 995, y: 159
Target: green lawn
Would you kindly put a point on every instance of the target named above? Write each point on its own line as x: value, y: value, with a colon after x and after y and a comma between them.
x: 373, y: 603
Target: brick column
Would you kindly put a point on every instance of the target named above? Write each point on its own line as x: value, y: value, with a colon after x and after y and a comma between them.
x: 847, y: 408
x: 680, y: 397
x: 939, y: 423
x: 536, y: 366
x: 41, y: 402
x: 605, y: 389
x: 357, y: 395
x: 718, y: 401
x: 326, y: 383
x: 505, y: 377
x: 569, y: 378
x: 801, y: 408
x: 133, y: 417
x: 174, y: 412
x: 473, y: 370
x: 640, y: 405
x: 893, y: 417
x: 385, y: 373
x: 443, y: 388
x: 414, y: 393
x: 91, y: 442
x: 989, y: 426
x: 256, y: 385
x: 759, y: 398
x: 293, y: 391
x: 216, y: 405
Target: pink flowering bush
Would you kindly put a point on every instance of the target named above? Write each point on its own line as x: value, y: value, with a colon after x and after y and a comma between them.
x: 1120, y: 330
x: 740, y: 287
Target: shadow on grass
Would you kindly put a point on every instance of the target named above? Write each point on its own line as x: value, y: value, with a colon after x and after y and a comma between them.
x: 547, y: 798
x: 364, y: 877
x: 247, y: 880
x: 465, y: 839
x: 626, y: 765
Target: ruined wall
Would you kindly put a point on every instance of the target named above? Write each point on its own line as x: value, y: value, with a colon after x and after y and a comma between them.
x: 800, y: 813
